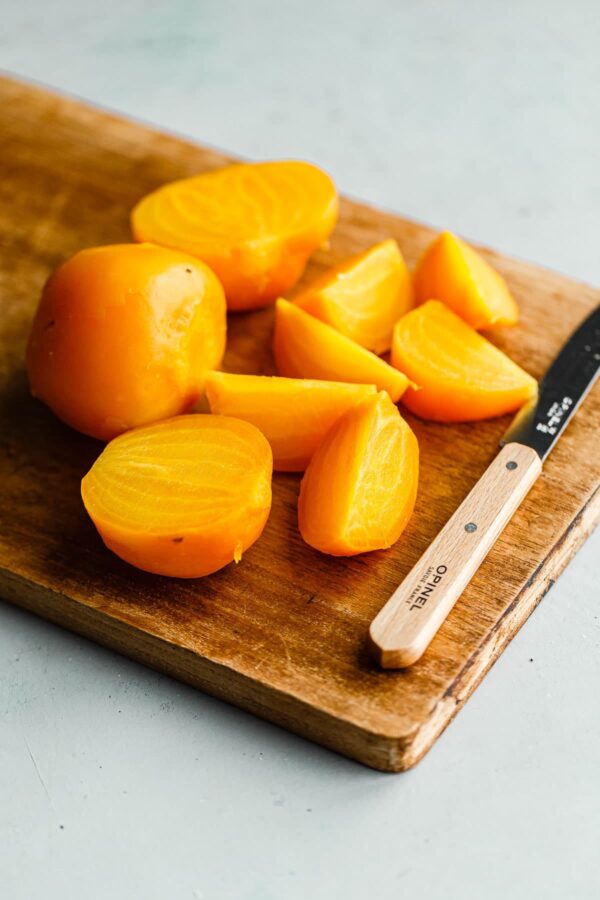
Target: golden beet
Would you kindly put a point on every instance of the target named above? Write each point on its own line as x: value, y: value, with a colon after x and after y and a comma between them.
x: 451, y: 271
x: 124, y: 335
x: 294, y: 414
x: 461, y: 376
x: 254, y: 224
x: 183, y: 497
x: 363, y: 297
x: 305, y: 347
x: 359, y: 489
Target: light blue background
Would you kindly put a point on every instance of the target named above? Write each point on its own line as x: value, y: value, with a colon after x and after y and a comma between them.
x: 118, y: 783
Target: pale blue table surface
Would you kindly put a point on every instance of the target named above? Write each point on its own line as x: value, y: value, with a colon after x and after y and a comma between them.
x: 116, y: 782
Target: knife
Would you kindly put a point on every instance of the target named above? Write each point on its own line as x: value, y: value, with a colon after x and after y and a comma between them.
x: 405, y: 626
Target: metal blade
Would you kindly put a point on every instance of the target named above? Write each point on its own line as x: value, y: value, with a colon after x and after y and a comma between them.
x: 540, y: 423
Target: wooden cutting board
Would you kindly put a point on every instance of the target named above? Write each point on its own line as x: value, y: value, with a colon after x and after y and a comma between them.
x: 283, y: 633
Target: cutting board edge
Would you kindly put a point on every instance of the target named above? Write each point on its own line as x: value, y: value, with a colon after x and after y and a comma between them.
x: 506, y: 628
x: 213, y: 678
x: 384, y: 752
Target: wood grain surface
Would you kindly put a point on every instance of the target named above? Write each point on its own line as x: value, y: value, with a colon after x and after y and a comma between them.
x: 284, y: 634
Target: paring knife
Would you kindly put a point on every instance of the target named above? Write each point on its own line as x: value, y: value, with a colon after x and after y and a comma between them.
x: 405, y: 626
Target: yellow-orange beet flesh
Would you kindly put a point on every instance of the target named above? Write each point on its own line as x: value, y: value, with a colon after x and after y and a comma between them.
x: 363, y: 297
x: 462, y: 377
x: 183, y: 497
x: 451, y: 271
x: 294, y: 414
x: 124, y: 335
x: 254, y: 224
x: 360, y: 487
x: 305, y: 347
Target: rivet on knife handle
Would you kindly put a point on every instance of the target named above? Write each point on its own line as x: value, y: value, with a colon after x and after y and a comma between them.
x: 405, y: 626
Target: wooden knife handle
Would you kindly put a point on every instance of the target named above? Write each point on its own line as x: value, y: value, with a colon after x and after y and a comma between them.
x: 405, y: 626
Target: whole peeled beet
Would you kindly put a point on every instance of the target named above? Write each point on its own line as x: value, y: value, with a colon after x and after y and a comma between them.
x: 125, y: 335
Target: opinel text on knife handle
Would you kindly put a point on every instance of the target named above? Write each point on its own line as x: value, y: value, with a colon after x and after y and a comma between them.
x: 405, y: 626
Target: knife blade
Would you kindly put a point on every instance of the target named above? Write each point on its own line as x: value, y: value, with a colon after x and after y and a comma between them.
x: 540, y: 423
x: 407, y: 623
